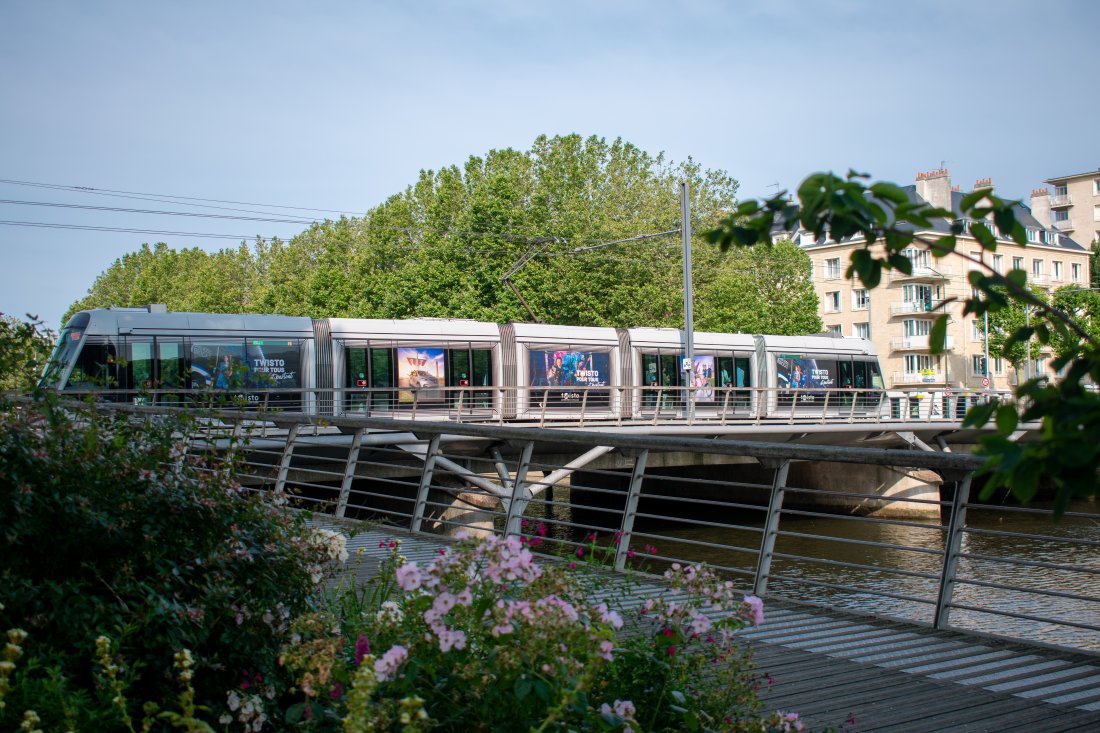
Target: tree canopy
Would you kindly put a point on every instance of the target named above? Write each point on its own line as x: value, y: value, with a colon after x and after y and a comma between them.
x: 573, y: 208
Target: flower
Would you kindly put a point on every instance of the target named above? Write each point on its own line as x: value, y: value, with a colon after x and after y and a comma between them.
x: 753, y: 609
x: 387, y: 666
x: 362, y: 649
x: 409, y: 577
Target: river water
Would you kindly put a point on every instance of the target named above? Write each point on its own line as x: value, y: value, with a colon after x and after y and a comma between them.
x: 892, y: 569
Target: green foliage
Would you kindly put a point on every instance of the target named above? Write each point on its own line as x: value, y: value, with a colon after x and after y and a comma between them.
x: 24, y: 350
x: 442, y: 246
x: 886, y: 222
x: 109, y: 529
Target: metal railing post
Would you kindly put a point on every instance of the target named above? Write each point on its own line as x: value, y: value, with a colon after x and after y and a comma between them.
x: 349, y: 472
x: 425, y: 484
x: 952, y: 548
x: 771, y: 528
x: 633, y: 494
x: 518, y: 503
x: 284, y: 462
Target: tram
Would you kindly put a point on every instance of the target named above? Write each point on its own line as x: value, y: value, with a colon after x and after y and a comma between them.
x: 510, y: 371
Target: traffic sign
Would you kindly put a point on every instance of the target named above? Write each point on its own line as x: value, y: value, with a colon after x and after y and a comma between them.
x: 687, y: 365
x: 985, y: 381
x: 949, y: 392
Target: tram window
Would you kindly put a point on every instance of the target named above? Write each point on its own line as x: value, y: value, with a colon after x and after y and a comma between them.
x: 458, y: 368
x: 744, y: 376
x: 172, y: 367
x: 95, y: 367
x: 876, y: 376
x: 846, y: 376
x: 140, y: 366
x: 482, y: 376
x: 355, y: 377
x: 381, y: 375
x: 725, y: 371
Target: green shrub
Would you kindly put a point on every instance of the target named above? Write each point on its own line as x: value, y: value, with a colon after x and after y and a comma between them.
x: 108, y: 528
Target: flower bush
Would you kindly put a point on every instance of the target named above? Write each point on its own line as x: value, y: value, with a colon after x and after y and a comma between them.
x: 485, y: 638
x: 109, y: 529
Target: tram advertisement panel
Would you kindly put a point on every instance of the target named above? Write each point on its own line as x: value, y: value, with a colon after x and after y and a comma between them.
x: 564, y: 371
x: 803, y: 373
x: 241, y: 366
x: 423, y: 370
x: 703, y: 378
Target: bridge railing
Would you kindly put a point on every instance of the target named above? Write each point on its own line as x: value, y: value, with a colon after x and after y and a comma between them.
x: 619, y: 405
x: 746, y: 508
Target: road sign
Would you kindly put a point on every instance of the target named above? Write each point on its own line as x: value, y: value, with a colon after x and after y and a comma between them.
x: 985, y: 381
x: 686, y: 365
x: 948, y: 392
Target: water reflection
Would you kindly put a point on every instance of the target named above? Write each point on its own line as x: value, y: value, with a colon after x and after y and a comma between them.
x: 890, y: 568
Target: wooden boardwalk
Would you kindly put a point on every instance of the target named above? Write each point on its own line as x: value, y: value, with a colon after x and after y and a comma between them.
x: 886, y: 676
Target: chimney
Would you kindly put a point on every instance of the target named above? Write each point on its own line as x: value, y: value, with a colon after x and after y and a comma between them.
x: 935, y: 188
x: 983, y: 183
x: 1040, y: 206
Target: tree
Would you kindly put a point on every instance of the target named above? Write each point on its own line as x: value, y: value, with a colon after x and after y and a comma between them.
x: 24, y: 350
x: 1005, y: 322
x: 572, y: 207
x: 886, y: 221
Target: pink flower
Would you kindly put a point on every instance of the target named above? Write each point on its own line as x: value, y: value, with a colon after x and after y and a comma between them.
x: 753, y: 609
x: 337, y: 691
x: 580, y: 552
x: 540, y: 530
x: 667, y: 632
x: 572, y: 566
x: 390, y: 661
x: 630, y: 552
x: 605, y: 650
x: 591, y: 537
x: 672, y: 650
x: 408, y: 577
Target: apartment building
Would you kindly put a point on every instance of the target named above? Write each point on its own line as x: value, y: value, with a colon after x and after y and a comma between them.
x: 898, y: 315
x: 1073, y: 208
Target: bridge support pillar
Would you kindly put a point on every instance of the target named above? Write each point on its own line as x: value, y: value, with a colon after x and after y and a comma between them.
x: 892, y: 491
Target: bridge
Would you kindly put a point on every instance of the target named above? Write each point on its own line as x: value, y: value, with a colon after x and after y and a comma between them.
x: 990, y: 612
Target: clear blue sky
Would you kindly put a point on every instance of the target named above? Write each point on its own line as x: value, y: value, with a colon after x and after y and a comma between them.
x: 337, y: 105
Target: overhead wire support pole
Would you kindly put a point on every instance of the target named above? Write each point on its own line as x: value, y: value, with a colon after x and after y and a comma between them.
x: 536, y: 248
x: 689, y: 321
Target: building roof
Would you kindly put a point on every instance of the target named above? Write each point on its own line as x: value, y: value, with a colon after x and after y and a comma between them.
x: 1059, y: 179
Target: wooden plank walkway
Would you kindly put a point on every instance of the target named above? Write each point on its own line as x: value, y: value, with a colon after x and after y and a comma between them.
x: 887, y: 676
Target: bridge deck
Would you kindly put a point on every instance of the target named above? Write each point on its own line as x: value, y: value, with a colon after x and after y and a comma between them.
x: 886, y: 676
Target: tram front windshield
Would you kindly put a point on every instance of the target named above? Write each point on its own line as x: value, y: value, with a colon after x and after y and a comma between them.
x: 63, y: 355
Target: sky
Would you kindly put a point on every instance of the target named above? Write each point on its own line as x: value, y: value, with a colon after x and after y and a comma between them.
x: 334, y: 106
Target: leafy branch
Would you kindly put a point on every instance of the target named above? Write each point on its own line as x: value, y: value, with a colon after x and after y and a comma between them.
x: 886, y: 221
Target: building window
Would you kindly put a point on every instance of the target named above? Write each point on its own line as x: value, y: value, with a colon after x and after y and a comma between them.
x: 832, y: 302
x: 998, y: 365
x: 976, y: 260
x: 1059, y: 215
x: 862, y: 330
x: 978, y: 365
x: 1032, y: 235
x: 832, y: 269
x: 835, y: 330
x: 999, y: 264
x: 919, y: 257
x: 1096, y: 213
x: 1017, y: 263
x: 1057, y: 270
x: 1096, y: 187
x: 977, y: 330
x: 861, y: 299
x: 1075, y: 272
x: 1037, y: 268
x: 916, y: 363
x: 917, y: 327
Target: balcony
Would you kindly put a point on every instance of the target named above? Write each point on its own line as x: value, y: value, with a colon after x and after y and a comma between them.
x: 1064, y: 225
x: 928, y: 376
x: 906, y: 308
x: 917, y: 343
x: 1041, y: 280
x: 924, y: 272
x: 1059, y: 200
